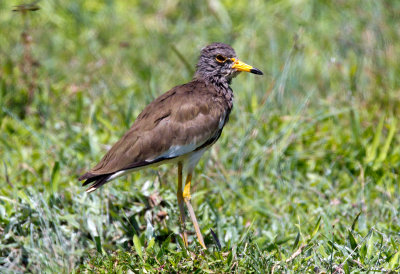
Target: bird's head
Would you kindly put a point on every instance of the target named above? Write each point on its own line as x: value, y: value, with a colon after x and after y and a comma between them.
x: 218, y: 63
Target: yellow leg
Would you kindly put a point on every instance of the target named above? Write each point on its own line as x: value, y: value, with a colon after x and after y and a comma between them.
x: 180, y: 204
x: 186, y: 190
x: 186, y: 197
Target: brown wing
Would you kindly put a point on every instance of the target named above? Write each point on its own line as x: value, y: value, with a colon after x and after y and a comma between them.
x: 179, y: 121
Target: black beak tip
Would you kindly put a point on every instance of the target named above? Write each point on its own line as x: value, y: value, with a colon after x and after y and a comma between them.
x: 256, y: 71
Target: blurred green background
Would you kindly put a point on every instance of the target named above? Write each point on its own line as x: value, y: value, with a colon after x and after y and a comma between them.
x: 305, y: 175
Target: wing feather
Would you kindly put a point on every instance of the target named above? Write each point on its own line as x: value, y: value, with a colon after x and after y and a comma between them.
x: 176, y: 123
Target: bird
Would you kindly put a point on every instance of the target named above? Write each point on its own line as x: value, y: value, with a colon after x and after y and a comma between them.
x: 177, y: 127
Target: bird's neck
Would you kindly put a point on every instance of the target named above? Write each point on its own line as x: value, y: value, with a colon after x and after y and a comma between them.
x: 221, y: 85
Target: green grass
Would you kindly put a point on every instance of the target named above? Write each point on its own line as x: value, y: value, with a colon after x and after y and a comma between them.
x: 305, y: 177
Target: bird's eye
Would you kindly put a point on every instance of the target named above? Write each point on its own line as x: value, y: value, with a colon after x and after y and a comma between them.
x: 220, y: 58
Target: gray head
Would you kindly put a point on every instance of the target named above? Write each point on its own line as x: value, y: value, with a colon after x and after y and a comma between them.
x: 218, y: 63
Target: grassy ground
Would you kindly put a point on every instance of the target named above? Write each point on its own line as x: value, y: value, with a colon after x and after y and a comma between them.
x: 304, y: 178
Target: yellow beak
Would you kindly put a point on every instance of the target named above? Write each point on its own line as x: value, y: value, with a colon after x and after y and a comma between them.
x: 240, y: 66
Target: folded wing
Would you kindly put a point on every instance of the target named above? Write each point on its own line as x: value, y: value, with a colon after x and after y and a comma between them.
x: 176, y: 123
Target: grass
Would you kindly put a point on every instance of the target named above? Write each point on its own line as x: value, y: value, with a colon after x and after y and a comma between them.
x: 305, y: 175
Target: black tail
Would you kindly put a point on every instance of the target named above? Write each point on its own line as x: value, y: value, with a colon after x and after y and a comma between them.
x: 98, y: 180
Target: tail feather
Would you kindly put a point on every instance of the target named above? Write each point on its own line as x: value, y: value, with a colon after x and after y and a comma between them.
x: 89, y: 177
x: 98, y: 183
x: 98, y: 180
